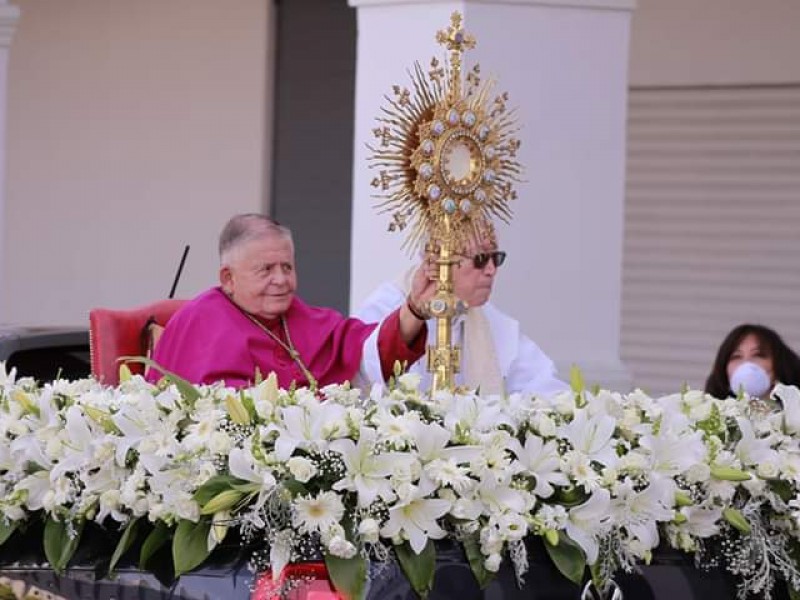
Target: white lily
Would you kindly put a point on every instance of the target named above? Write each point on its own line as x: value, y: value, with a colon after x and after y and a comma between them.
x: 589, y: 521
x: 415, y: 520
x: 789, y: 397
x: 367, y: 471
x: 671, y: 453
x: 541, y: 460
x: 750, y: 450
x: 640, y: 511
x: 592, y: 436
x: 308, y: 429
x: 242, y: 464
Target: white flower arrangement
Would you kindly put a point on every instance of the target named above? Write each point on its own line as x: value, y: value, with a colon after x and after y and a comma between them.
x: 604, y: 478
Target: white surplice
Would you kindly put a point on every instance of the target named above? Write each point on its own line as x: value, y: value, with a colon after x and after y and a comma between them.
x: 495, y: 355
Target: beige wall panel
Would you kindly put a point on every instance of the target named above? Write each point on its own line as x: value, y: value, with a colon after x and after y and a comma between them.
x: 678, y: 42
x: 133, y: 128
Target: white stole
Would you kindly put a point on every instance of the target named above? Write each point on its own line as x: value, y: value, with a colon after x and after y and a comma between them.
x: 481, y: 369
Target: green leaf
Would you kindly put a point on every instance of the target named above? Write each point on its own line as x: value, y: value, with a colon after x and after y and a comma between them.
x: 190, y: 545
x: 125, y: 542
x: 6, y: 529
x: 294, y: 487
x: 157, y: 538
x: 419, y: 568
x: 472, y: 549
x: 215, y: 486
x: 568, y: 558
x: 189, y: 392
x: 783, y: 488
x: 349, y: 575
x: 58, y: 545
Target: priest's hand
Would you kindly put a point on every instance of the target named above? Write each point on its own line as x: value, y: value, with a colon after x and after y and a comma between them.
x: 414, y: 311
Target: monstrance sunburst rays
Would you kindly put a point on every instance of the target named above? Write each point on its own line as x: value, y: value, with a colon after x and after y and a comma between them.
x: 445, y: 152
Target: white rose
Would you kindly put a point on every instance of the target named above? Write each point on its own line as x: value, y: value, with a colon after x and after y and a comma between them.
x: 220, y: 443
x: 767, y: 470
x: 492, y: 563
x: 340, y: 547
x: 491, y: 542
x: 695, y: 398
x: 700, y: 412
x: 564, y: 403
x: 333, y: 531
x: 369, y: 529
x: 545, y: 425
x: 301, y: 468
x: 609, y: 476
x: 698, y: 473
x: 409, y: 381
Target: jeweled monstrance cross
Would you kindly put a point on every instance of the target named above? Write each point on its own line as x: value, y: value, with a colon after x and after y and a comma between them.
x: 446, y: 161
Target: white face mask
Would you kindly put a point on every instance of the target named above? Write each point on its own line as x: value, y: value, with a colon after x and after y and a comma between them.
x: 752, y: 378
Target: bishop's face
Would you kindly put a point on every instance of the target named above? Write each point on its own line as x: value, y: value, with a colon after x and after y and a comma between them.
x: 474, y: 284
x: 260, y: 276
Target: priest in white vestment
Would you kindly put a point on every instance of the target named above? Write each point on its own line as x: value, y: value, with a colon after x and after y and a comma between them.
x: 496, y: 356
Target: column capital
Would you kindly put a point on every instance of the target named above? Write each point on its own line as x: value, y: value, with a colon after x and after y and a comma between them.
x: 588, y: 4
x: 9, y: 15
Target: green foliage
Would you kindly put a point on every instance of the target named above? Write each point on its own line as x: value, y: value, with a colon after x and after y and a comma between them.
x: 418, y: 568
x: 189, y: 392
x: 154, y: 541
x: 190, y: 545
x: 125, y: 542
x: 472, y: 550
x: 61, y: 539
x: 349, y: 575
x: 568, y: 558
x: 6, y: 529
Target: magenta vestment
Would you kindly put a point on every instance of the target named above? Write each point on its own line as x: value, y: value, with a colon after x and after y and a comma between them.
x: 210, y: 339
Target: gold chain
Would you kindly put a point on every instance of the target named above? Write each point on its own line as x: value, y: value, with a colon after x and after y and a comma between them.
x: 289, y: 346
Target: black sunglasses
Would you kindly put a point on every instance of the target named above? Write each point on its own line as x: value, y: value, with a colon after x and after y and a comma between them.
x: 480, y: 260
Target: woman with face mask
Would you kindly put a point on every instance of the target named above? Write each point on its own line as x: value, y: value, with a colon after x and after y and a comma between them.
x: 752, y: 358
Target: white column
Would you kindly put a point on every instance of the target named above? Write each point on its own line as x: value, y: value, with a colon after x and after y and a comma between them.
x: 9, y: 15
x: 564, y: 64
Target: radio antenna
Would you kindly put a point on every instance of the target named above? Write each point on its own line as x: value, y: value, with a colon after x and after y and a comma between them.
x: 180, y: 270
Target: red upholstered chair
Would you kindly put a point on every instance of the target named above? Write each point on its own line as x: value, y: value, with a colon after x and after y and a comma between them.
x: 115, y: 333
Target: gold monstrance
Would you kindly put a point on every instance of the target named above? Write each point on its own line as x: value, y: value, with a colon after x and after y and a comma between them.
x: 447, y: 163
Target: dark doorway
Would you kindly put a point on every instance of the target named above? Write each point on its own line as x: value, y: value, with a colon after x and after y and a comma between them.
x: 313, y: 152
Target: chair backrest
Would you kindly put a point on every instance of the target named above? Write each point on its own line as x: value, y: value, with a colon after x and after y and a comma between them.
x: 116, y: 333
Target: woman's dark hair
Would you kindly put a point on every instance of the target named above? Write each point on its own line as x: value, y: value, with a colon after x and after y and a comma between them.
x: 785, y: 363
